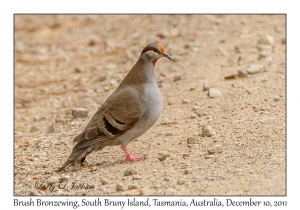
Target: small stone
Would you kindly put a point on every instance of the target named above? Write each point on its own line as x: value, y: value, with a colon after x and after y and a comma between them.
x: 266, y: 39
x: 120, y: 187
x: 253, y: 69
x: 191, y: 140
x: 59, y: 119
x: 177, y: 78
x: 230, y: 76
x: 104, y: 181
x: 63, y: 179
x: 277, y: 98
x: 168, y: 134
x: 207, y: 84
x: 213, y: 93
x: 209, y: 157
x: 37, y: 118
x: 111, y: 66
x: 171, y: 192
x: 78, y: 69
x: 113, y: 82
x: 137, y: 177
x: 34, y: 128
x: 196, y: 108
x: 163, y: 155
x: 264, y: 54
x: 101, y: 78
x: 188, y: 171
x: 215, y: 150
x: 52, y: 180
x: 263, y: 47
x: 145, y: 191
x: 134, y: 186
x: 131, y: 192
x: 193, y: 116
x: 106, y: 88
x: 193, y: 88
x: 185, y: 101
x: 130, y: 171
x: 161, y: 35
x: 210, y: 178
x: 50, y: 129
x: 32, y: 193
x: 208, y: 131
x: 242, y: 73
x: 80, y: 112
x: 181, y: 181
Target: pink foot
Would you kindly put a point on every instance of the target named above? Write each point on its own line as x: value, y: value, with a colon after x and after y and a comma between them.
x: 129, y: 158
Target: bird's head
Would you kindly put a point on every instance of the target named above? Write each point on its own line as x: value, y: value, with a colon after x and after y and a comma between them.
x: 154, y: 51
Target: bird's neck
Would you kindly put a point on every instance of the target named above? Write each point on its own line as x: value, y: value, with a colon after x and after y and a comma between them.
x: 141, y: 73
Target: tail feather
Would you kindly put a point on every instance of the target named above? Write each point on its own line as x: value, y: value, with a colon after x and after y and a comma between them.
x: 73, y: 158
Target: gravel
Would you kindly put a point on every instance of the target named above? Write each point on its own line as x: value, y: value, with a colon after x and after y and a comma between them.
x: 80, y: 112
x: 213, y: 93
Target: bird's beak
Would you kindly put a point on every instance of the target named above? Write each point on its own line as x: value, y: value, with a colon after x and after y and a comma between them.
x: 167, y: 56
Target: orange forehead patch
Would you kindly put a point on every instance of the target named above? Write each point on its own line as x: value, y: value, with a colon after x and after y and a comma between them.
x: 160, y: 48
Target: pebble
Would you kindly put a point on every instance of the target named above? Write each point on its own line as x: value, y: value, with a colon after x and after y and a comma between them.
x: 34, y: 128
x: 64, y: 179
x: 163, y: 155
x: 188, y: 171
x: 132, y: 192
x: 209, y: 156
x: 106, y: 88
x: 277, y: 98
x: 162, y: 34
x: 145, y: 191
x: 59, y: 119
x: 32, y: 193
x: 210, y: 178
x: 37, y: 118
x: 130, y: 171
x: 171, y: 192
x: 264, y: 54
x: 207, y: 84
x: 52, y: 180
x: 180, y: 181
x: 208, y: 131
x: 230, y: 76
x: 104, y: 181
x: 101, y: 78
x: 185, y: 101
x: 134, y: 186
x: 191, y: 140
x: 78, y: 69
x: 215, y: 150
x: 253, y: 69
x: 137, y: 177
x: 80, y: 112
x: 120, y: 187
x: 242, y: 73
x: 263, y: 47
x: 50, y: 129
x: 113, y: 82
x: 213, y: 93
x: 266, y: 39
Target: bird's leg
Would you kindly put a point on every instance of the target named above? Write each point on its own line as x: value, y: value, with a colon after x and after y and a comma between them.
x: 129, y: 158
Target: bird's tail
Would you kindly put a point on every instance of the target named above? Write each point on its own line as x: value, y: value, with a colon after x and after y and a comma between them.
x: 73, y: 158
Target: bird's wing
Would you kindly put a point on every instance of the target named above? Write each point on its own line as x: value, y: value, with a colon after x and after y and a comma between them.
x: 115, y: 116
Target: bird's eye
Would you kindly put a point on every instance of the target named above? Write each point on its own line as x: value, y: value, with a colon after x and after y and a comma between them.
x: 156, y: 50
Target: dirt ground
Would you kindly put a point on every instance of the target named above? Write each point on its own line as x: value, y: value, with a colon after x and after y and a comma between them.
x: 63, y: 62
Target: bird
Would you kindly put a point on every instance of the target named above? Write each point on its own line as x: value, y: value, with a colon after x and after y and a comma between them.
x: 127, y: 113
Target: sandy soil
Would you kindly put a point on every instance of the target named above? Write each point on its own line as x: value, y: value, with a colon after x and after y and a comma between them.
x: 64, y: 62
